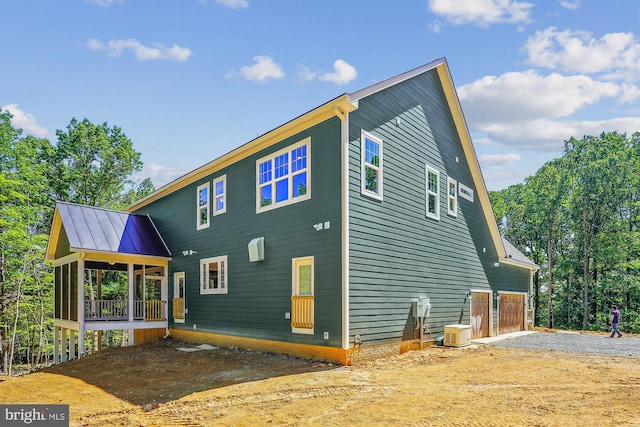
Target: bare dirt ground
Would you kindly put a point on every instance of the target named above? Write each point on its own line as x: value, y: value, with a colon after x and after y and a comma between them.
x: 157, y: 385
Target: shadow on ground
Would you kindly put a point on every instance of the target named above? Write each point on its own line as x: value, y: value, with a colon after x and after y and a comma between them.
x: 156, y: 372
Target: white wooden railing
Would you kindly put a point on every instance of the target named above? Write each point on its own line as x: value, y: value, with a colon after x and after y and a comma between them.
x: 151, y: 310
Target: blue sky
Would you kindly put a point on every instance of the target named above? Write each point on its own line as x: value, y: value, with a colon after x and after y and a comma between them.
x: 190, y: 80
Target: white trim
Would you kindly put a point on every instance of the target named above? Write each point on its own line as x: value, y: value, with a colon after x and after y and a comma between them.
x: 295, y: 262
x: 364, y: 165
x: 215, y: 196
x: 345, y: 230
x: 465, y: 192
x: 199, y: 207
x: 289, y: 177
x: 452, y: 197
x: 434, y: 215
x: 223, y: 271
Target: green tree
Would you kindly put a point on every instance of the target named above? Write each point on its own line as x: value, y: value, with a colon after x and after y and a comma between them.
x: 93, y: 164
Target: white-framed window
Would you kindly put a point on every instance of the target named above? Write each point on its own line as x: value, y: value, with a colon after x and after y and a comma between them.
x: 284, y: 177
x: 202, y: 219
x: 465, y: 192
x: 302, y: 299
x: 371, y: 159
x: 213, y: 275
x: 433, y: 191
x: 220, y: 195
x: 452, y: 196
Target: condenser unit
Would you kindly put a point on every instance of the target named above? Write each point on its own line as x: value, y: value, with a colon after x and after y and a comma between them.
x: 457, y: 335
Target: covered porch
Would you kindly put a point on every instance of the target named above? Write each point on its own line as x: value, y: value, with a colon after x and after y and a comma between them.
x: 110, y: 275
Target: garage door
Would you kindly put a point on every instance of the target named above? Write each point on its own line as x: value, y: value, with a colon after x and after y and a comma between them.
x: 479, y: 314
x: 511, y: 313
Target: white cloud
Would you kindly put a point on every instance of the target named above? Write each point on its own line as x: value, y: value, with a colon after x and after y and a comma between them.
x: 159, y: 175
x: 570, y: 4
x: 142, y: 52
x: 617, y: 54
x: 234, y: 4
x: 26, y: 122
x: 529, y: 96
x: 305, y: 73
x: 105, y: 3
x: 481, y: 12
x: 497, y: 160
x: 342, y: 74
x: 263, y: 69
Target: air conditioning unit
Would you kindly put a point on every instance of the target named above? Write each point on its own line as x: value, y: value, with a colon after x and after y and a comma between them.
x: 457, y: 335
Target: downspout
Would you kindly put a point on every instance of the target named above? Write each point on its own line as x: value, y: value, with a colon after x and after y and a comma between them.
x: 344, y: 144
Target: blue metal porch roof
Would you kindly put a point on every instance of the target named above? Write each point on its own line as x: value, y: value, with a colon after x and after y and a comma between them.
x: 97, y: 229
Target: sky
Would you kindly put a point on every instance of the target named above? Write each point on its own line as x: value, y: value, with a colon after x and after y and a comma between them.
x: 190, y: 80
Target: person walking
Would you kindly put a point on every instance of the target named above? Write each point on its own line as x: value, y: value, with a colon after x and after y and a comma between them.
x: 615, y: 321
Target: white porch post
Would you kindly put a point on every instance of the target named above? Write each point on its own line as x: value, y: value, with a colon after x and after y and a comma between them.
x: 132, y: 337
x: 72, y: 344
x: 56, y: 345
x: 131, y: 277
x: 64, y: 344
x: 80, y: 285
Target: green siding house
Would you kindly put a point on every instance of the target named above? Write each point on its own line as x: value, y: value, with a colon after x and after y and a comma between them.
x: 321, y: 237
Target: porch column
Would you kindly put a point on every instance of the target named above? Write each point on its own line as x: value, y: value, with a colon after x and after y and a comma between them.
x: 56, y: 345
x: 63, y: 340
x: 81, y: 306
x: 132, y: 337
x: 72, y: 344
x: 132, y: 299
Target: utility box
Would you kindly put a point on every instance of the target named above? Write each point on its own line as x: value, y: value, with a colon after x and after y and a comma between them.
x: 421, y: 307
x: 457, y: 335
x: 256, y: 249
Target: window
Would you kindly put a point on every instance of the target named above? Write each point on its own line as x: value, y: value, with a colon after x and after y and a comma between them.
x: 452, y: 197
x: 213, y: 275
x: 219, y: 195
x: 284, y: 177
x: 371, y: 166
x: 302, y: 305
x: 203, y: 207
x: 433, y: 188
x: 465, y: 192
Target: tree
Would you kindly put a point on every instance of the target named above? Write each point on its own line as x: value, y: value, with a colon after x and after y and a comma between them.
x: 93, y: 164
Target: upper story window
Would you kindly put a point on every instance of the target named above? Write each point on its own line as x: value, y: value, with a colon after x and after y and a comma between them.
x: 202, y: 220
x: 213, y: 275
x: 452, y: 197
x: 371, y: 165
x: 433, y: 189
x: 220, y: 195
x: 465, y: 192
x: 284, y: 177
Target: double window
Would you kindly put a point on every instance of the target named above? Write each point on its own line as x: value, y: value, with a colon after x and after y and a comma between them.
x: 433, y: 190
x: 284, y: 177
x: 213, y: 275
x: 371, y: 155
x: 204, y: 198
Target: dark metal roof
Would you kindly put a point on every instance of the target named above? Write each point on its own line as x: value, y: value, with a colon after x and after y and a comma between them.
x: 96, y: 229
x: 513, y: 253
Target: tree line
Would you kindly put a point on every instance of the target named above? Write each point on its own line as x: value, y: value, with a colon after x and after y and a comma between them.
x: 89, y: 164
x: 578, y: 218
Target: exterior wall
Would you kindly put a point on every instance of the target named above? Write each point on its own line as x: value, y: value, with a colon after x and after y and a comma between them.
x: 397, y: 253
x: 259, y: 293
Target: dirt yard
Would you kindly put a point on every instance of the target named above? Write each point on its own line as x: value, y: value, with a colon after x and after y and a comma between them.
x: 157, y: 385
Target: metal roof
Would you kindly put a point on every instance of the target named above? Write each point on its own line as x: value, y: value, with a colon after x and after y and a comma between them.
x: 97, y: 229
x: 512, y: 253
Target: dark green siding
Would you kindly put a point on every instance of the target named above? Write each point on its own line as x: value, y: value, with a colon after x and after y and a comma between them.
x: 259, y: 293
x: 397, y: 254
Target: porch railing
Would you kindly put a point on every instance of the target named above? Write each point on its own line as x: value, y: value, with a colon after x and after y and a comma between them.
x: 150, y: 310
x: 302, y: 311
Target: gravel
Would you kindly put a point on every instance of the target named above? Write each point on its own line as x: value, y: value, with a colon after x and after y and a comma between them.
x: 574, y: 343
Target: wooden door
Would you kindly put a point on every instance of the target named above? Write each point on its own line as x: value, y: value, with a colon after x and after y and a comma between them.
x: 511, y: 313
x: 479, y: 314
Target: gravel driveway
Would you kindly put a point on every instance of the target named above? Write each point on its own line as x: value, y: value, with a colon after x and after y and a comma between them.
x: 573, y: 343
